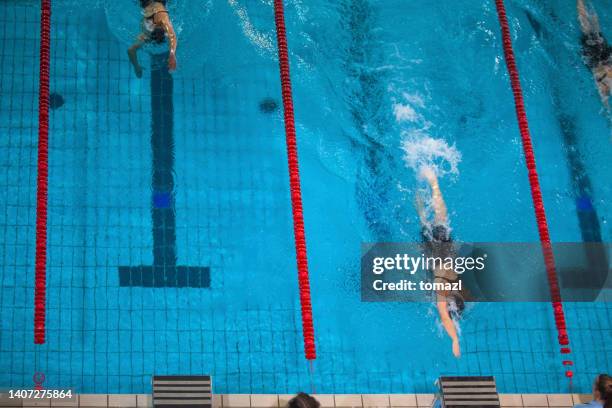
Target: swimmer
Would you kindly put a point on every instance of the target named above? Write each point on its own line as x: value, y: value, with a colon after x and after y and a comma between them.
x: 156, y: 26
x: 437, y: 236
x: 596, y: 51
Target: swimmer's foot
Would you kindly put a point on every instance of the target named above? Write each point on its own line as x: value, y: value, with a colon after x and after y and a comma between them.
x: 138, y: 71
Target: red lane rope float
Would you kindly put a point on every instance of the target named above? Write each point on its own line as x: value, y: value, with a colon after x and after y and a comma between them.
x: 536, y: 193
x: 294, y: 180
x: 40, y: 286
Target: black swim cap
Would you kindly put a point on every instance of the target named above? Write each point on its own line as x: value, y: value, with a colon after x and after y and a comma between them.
x: 440, y: 233
x: 158, y: 35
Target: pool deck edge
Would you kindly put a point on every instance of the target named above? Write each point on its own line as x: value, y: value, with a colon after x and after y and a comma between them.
x: 280, y: 400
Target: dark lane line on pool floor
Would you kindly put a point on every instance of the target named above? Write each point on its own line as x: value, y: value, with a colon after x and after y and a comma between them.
x: 164, y: 272
x: 581, y: 186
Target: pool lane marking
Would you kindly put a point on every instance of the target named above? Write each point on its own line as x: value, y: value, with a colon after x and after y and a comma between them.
x: 588, y: 219
x: 536, y: 193
x: 40, y: 284
x: 164, y: 272
x: 294, y: 183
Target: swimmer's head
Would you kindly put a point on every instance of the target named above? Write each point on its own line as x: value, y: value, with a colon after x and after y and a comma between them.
x: 440, y: 233
x: 303, y: 400
x: 456, y: 305
x: 158, y: 35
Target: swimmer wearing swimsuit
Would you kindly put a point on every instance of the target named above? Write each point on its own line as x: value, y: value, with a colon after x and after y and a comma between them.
x: 439, y: 244
x: 155, y: 28
x: 438, y: 240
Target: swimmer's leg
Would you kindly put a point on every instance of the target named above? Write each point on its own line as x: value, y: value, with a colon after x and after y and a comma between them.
x: 448, y: 324
x: 437, y: 201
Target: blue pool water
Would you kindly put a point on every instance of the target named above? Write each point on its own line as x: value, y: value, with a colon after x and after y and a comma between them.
x: 376, y: 83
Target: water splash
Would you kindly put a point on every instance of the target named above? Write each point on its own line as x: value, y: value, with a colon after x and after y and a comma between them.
x: 263, y: 40
x: 404, y: 113
x: 420, y: 150
x: 260, y: 30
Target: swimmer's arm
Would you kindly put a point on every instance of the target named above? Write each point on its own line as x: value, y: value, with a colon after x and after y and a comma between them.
x: 589, y: 23
x: 583, y: 16
x: 595, y: 23
x: 167, y: 24
x: 448, y: 324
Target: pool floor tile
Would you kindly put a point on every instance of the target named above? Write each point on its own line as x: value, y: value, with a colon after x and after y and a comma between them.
x: 121, y: 400
x: 93, y: 400
x: 326, y: 400
x: 582, y: 398
x: 375, y: 400
x: 36, y: 402
x: 535, y: 400
x: 511, y: 400
x: 264, y: 400
x: 403, y: 400
x: 425, y: 400
x: 65, y: 402
x: 5, y: 401
x: 236, y: 401
x: 283, y: 399
x: 560, y: 400
x: 144, y: 400
x: 348, y: 400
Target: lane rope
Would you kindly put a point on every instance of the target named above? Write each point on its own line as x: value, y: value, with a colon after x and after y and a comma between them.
x: 294, y: 181
x: 40, y: 285
x: 536, y: 193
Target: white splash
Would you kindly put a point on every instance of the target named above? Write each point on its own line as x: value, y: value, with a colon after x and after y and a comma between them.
x: 406, y: 109
x: 404, y: 113
x: 414, y: 99
x: 262, y: 40
x: 420, y: 150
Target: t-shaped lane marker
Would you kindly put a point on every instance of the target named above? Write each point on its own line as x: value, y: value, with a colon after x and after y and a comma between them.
x: 164, y: 272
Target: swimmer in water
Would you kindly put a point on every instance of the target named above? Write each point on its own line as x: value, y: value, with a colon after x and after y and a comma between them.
x: 596, y: 51
x: 437, y: 237
x: 156, y: 26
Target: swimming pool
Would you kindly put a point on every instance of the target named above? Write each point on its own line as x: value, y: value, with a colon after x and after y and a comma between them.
x: 372, y: 80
